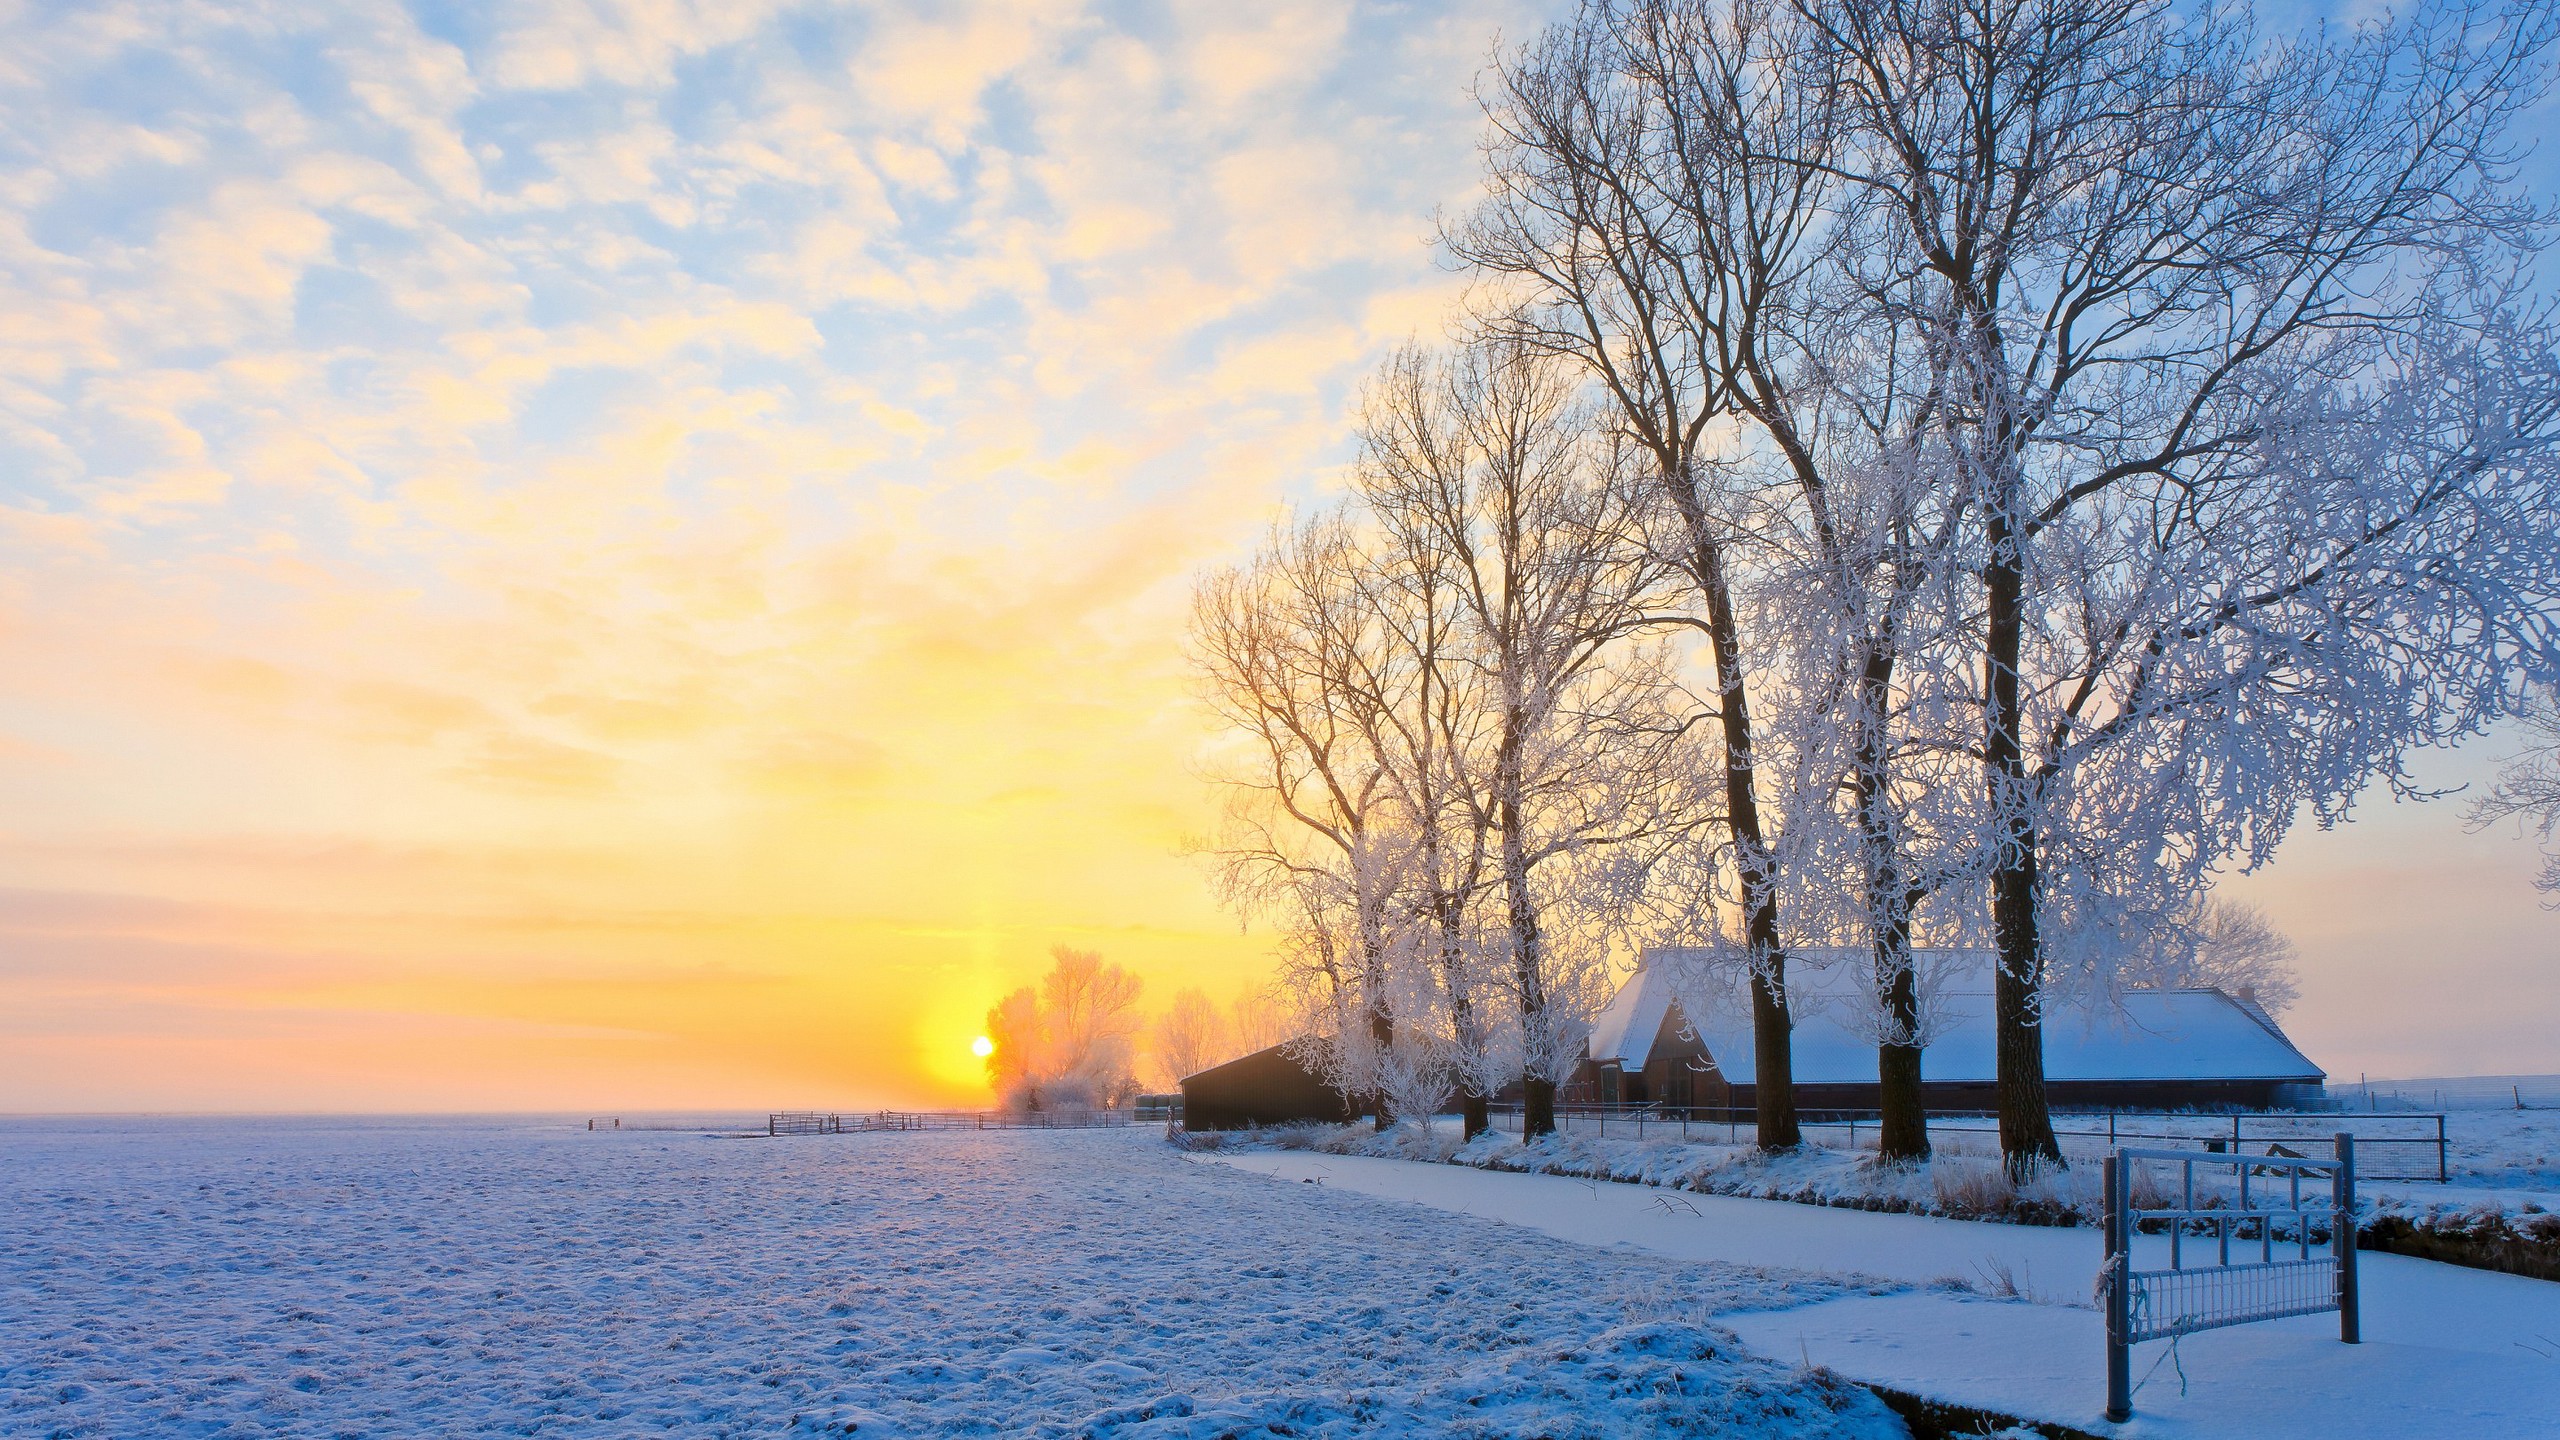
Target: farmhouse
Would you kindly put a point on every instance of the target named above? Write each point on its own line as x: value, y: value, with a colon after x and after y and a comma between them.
x: 2145, y: 1048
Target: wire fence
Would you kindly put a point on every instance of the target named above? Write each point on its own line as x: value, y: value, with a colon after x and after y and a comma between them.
x: 2391, y: 1145
x: 816, y: 1122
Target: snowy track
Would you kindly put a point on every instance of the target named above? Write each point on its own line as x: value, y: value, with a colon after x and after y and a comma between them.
x: 2449, y: 1352
x: 385, y: 1278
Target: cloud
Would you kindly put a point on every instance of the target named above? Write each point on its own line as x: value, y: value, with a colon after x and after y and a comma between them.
x: 683, y: 507
x: 565, y: 44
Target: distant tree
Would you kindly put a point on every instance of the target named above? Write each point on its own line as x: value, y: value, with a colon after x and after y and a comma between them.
x: 1071, y: 1042
x: 2529, y: 789
x: 2225, y: 944
x: 1254, y: 1023
x: 1190, y: 1036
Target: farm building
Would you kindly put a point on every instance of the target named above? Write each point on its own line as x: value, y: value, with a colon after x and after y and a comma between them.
x: 1267, y: 1087
x: 2147, y: 1049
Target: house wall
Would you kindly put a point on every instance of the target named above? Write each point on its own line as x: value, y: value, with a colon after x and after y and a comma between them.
x: 2088, y: 1094
x: 1675, y: 1084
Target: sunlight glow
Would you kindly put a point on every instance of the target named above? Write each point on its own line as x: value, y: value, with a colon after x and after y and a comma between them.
x: 982, y: 1047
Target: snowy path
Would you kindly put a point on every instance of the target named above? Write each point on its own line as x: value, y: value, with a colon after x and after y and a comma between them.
x: 2448, y: 1352
x: 325, y: 1278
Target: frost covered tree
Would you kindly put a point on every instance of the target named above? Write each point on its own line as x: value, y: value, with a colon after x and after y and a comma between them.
x: 2528, y: 789
x: 1564, y: 756
x: 1292, y: 652
x: 1254, y: 1023
x: 1670, y: 207
x: 1189, y: 1037
x: 2230, y: 946
x: 1071, y: 1042
x: 2248, y: 396
x: 1654, y: 197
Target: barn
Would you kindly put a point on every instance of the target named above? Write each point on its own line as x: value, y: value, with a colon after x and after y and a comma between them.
x: 1267, y: 1087
x: 2147, y: 1049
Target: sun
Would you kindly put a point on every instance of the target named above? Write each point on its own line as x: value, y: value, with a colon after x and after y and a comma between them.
x: 982, y: 1047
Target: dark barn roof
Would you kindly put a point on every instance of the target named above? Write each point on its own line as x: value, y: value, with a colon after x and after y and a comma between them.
x: 1267, y: 1087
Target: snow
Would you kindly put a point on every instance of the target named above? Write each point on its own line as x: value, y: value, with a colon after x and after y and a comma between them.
x: 2447, y: 1351
x: 254, y: 1277
x: 2499, y: 1162
x: 1628, y: 1026
x: 2139, y: 1035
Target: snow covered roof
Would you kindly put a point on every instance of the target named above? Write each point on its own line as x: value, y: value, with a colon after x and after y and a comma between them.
x: 1627, y: 1026
x: 2141, y: 1035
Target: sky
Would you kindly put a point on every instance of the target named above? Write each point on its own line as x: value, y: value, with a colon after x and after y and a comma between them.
x: 630, y: 554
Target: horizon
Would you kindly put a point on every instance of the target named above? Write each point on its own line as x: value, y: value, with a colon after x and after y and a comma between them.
x: 646, y: 568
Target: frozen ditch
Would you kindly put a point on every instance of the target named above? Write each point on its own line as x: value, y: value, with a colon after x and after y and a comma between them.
x: 203, y: 1278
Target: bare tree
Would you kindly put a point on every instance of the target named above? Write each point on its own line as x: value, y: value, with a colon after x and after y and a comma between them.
x: 1293, y: 654
x: 1254, y: 1023
x: 1652, y: 206
x: 2225, y: 944
x: 2528, y: 789
x: 2245, y: 393
x: 1500, y: 492
x: 1189, y: 1037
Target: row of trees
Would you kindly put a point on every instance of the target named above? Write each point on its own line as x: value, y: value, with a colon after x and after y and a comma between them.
x: 1911, y: 471
x: 1074, y: 1040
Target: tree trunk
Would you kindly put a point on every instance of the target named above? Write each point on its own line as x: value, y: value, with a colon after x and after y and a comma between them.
x: 1904, y: 1134
x: 1905, y: 1131
x: 1462, y: 1017
x: 2027, y: 1142
x: 1772, y: 1026
x: 1382, y: 1034
x: 1537, y: 1107
x: 1528, y: 960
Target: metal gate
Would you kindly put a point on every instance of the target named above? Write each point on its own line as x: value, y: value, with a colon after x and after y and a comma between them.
x: 2267, y: 1218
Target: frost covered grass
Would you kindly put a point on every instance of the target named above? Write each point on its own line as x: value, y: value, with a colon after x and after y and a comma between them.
x: 197, y: 1278
x: 2499, y: 1210
x: 1952, y: 1185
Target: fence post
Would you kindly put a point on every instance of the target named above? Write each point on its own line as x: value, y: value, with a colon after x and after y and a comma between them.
x: 2440, y: 1156
x: 2342, y: 1235
x: 2119, y: 1296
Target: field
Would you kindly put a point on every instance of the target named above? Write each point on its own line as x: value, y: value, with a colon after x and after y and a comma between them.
x: 209, y: 1278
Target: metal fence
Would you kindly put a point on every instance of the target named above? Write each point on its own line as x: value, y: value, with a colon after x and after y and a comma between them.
x: 2402, y: 1146
x: 2284, y: 1277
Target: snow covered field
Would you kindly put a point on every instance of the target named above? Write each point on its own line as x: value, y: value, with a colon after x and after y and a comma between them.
x: 2448, y: 1351
x: 201, y: 1278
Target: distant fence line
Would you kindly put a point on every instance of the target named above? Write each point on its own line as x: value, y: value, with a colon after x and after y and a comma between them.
x: 2397, y: 1145
x: 816, y: 1122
